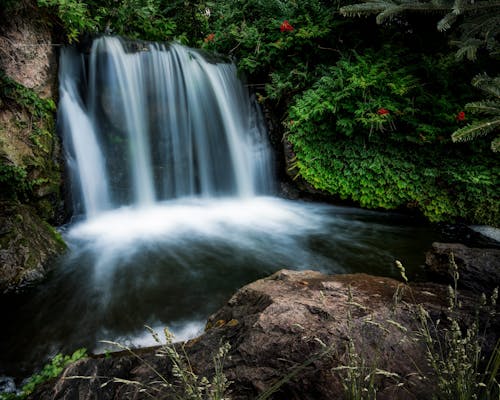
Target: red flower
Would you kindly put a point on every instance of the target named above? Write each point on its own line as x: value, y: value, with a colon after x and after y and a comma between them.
x: 382, y: 111
x: 460, y: 116
x: 285, y: 26
x: 210, y: 37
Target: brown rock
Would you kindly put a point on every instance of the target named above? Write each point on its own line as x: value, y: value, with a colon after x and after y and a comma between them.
x: 27, y: 52
x: 292, y: 325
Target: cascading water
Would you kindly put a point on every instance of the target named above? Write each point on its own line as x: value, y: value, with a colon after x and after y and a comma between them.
x: 149, y: 122
x: 168, y: 164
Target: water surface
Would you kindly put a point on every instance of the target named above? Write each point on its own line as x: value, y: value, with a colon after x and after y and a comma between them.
x: 175, y: 263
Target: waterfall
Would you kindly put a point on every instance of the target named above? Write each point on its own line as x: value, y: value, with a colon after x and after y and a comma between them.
x: 147, y: 122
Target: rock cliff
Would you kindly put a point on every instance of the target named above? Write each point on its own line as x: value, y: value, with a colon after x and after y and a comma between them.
x: 30, y: 168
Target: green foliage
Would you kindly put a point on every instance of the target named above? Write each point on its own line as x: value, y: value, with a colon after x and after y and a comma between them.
x: 370, y: 130
x: 489, y: 109
x: 444, y: 184
x: 157, y: 20
x: 250, y: 30
x: 51, y: 370
x: 13, y: 181
x: 75, y: 16
x: 373, y: 94
x: 25, y: 97
x: 479, y: 29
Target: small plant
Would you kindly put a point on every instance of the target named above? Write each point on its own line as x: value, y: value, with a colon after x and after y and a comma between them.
x: 456, y: 354
x: 51, y: 370
x: 187, y: 385
x: 359, y: 376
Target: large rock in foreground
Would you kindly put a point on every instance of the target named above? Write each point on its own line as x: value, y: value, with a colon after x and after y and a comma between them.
x: 292, y: 325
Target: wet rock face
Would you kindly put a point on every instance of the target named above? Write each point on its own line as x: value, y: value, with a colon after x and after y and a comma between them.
x: 296, y: 325
x: 28, y: 54
x: 26, y: 244
x: 478, y: 268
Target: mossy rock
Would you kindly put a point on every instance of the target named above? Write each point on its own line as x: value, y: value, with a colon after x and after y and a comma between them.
x: 24, y: 260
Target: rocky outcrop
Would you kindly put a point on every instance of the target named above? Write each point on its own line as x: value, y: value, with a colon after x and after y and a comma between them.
x: 29, y: 147
x: 290, y: 330
x: 26, y: 244
x: 478, y: 268
x: 30, y: 171
x: 27, y: 51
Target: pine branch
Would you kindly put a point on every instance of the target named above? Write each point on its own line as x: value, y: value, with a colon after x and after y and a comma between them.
x: 458, y: 6
x: 484, y: 107
x: 388, y: 14
x: 373, y: 7
x: 490, y: 86
x: 475, y: 130
x: 467, y: 48
x: 446, y: 22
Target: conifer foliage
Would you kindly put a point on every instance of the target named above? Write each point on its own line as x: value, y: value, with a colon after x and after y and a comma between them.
x: 479, y: 28
x: 489, y: 108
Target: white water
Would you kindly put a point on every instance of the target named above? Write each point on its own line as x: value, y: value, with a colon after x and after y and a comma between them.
x: 160, y: 122
x: 84, y: 156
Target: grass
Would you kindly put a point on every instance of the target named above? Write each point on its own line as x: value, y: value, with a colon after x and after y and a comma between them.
x: 455, y: 352
x: 185, y: 383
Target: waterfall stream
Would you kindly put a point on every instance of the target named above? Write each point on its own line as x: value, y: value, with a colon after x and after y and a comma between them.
x: 144, y: 123
x: 171, y: 183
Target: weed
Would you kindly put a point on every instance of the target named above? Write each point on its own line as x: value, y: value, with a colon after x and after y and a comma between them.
x: 456, y: 354
x: 186, y: 385
x: 51, y: 370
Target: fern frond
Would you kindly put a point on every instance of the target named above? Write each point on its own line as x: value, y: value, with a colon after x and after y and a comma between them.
x: 475, y: 130
x: 495, y: 144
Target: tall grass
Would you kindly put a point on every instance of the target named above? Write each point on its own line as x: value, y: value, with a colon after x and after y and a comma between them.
x: 456, y: 353
x: 185, y: 383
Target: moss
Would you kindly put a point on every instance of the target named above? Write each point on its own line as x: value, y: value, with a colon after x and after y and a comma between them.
x: 56, y: 236
x: 27, y: 243
x: 29, y: 148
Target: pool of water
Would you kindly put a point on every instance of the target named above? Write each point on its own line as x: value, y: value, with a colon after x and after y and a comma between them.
x: 175, y: 263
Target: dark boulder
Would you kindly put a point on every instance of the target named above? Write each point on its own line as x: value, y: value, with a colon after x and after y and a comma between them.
x: 478, y: 268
